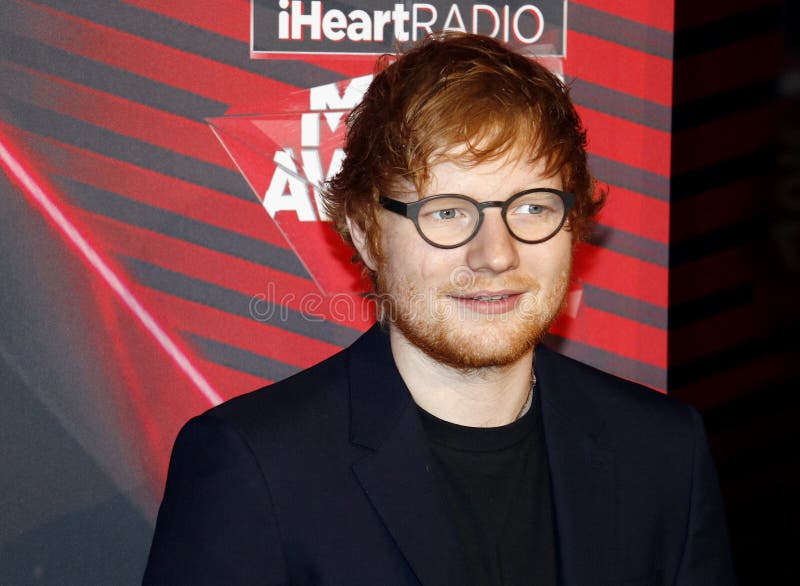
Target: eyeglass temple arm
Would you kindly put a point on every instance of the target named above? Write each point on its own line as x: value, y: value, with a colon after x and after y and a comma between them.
x: 395, y: 206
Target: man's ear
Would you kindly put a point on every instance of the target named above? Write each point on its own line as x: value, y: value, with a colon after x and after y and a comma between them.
x: 360, y: 242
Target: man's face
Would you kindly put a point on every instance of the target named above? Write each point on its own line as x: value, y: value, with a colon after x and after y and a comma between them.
x: 488, y: 302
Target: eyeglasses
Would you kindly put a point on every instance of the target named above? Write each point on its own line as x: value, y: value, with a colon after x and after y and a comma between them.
x: 451, y: 220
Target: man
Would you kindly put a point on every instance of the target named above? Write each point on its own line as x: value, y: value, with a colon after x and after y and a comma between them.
x: 446, y: 446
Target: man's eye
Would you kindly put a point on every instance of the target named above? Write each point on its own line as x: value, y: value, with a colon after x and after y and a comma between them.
x: 447, y: 214
x: 531, y: 209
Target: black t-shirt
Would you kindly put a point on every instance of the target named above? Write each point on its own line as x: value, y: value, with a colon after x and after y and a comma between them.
x: 497, y: 484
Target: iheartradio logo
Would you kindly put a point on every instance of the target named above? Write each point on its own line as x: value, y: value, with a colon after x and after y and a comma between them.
x: 375, y: 27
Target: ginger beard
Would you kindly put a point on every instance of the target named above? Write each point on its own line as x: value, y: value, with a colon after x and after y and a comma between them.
x: 451, y: 333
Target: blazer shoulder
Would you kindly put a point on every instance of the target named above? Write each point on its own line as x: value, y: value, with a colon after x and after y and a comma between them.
x: 624, y: 403
x: 302, y: 403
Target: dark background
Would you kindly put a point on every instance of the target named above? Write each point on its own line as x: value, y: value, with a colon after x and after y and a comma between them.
x: 735, y: 261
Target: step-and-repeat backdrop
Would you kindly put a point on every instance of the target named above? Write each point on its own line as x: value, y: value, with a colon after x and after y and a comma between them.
x: 163, y: 246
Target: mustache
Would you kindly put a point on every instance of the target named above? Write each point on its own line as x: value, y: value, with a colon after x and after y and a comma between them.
x: 460, y: 287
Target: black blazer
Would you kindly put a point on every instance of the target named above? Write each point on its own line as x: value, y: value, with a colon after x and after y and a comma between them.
x: 326, y: 478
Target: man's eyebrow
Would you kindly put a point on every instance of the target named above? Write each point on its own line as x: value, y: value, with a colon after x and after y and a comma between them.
x: 494, y: 197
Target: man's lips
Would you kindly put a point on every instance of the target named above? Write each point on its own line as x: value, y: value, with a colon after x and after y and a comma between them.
x: 486, y: 295
x: 489, y: 301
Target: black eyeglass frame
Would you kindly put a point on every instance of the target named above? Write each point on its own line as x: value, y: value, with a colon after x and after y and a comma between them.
x: 411, y: 211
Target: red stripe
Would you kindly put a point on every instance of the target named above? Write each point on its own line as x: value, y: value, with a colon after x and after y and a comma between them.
x: 178, y: 134
x: 645, y: 216
x: 195, y: 261
x: 655, y: 13
x: 622, y: 274
x: 230, y: 18
x: 140, y: 184
x: 627, y: 142
x: 626, y: 70
x: 153, y: 60
x: 617, y: 335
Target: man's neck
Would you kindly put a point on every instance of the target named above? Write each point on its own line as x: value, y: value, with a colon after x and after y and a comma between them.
x: 483, y: 397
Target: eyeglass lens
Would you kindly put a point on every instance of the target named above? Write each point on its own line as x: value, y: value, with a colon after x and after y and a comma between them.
x: 448, y: 221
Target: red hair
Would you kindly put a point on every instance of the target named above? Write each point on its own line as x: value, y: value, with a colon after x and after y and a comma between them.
x: 464, y: 92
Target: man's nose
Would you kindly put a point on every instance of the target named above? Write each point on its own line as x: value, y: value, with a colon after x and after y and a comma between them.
x: 493, y: 248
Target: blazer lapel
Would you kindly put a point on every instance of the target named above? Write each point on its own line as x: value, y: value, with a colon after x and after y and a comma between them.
x: 398, y: 476
x: 581, y: 472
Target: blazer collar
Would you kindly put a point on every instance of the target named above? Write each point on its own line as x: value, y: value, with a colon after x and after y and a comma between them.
x: 581, y: 469
x: 563, y: 385
x: 378, y: 395
x: 398, y: 475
